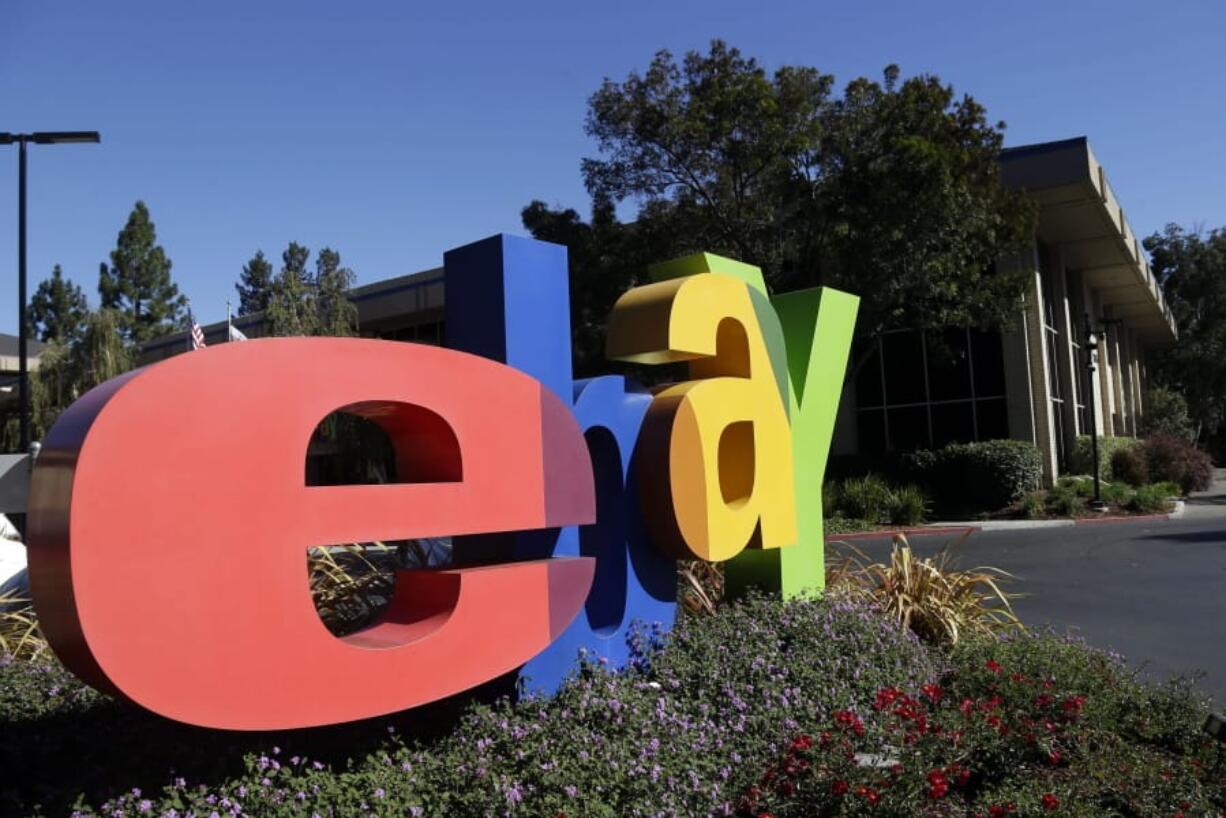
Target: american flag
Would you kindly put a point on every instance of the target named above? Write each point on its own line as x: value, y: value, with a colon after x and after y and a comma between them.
x: 197, y: 333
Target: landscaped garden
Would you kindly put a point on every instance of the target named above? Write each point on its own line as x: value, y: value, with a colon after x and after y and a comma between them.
x: 1000, y: 479
x: 829, y: 707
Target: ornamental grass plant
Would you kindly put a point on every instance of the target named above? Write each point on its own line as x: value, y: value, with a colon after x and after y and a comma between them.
x: 930, y: 595
x: 20, y: 637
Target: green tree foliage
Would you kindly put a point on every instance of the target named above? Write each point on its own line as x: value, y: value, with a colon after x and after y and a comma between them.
x: 67, y: 370
x: 891, y: 190
x: 1166, y: 413
x: 138, y: 284
x: 1191, y: 267
x: 300, y: 303
x: 255, y: 285
x: 58, y: 308
x: 338, y: 316
x: 291, y: 305
x: 606, y: 258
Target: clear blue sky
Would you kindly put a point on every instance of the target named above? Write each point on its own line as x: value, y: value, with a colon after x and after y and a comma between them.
x: 393, y: 131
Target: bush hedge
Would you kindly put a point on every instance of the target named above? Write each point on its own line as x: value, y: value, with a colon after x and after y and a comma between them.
x: 766, y: 708
x: 1174, y: 458
x: 859, y: 503
x: 683, y: 732
x: 1081, y: 458
x: 983, y: 476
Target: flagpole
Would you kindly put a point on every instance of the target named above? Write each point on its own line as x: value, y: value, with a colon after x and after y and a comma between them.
x: 229, y: 324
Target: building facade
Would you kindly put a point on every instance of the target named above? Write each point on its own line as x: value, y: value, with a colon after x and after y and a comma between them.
x: 915, y: 390
x: 1030, y: 381
x: 10, y: 366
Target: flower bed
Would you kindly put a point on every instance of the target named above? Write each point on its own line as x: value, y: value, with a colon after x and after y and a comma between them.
x: 803, y: 708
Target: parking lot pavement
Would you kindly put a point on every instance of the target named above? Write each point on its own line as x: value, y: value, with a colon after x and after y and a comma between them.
x: 1154, y: 590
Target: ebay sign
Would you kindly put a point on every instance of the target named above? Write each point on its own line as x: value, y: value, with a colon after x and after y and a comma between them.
x: 169, y: 517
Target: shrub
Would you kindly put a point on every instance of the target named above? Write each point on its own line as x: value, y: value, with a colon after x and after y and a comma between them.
x: 1065, y: 501
x: 1030, y: 726
x: 1149, y: 499
x: 1179, y: 461
x: 929, y: 596
x: 987, y: 475
x: 1128, y: 464
x: 1033, y: 505
x: 908, y: 506
x: 1081, y: 458
x: 1166, y: 413
x: 20, y: 636
x: 682, y: 733
x: 865, y: 498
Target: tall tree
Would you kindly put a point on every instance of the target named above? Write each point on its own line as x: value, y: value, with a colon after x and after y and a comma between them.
x: 338, y: 316
x: 138, y: 284
x: 291, y: 306
x: 1192, y: 269
x: 891, y: 191
x: 58, y: 308
x: 255, y: 285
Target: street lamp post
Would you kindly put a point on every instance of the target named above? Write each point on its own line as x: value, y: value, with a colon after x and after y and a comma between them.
x: 23, y: 373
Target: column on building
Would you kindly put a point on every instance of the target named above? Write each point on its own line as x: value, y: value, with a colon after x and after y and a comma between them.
x: 1027, y: 381
x: 1105, y: 383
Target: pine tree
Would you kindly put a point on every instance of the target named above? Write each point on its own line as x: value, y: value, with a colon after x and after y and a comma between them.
x: 255, y: 285
x: 338, y: 316
x: 138, y: 285
x: 58, y: 309
x: 292, y: 305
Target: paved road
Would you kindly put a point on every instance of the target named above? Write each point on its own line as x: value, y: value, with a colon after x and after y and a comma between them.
x: 1154, y: 591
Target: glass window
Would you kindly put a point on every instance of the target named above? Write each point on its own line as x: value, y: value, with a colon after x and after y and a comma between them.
x: 952, y: 423
x: 992, y: 419
x: 903, y: 355
x: 949, y: 366
x: 938, y: 390
x: 868, y: 379
x: 908, y: 428
x: 988, y: 363
x: 871, y: 423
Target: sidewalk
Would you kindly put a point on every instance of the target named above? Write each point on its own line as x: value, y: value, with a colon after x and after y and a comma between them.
x: 1206, y: 505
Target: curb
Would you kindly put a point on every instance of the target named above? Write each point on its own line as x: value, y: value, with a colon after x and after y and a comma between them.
x: 1121, y: 518
x: 905, y: 532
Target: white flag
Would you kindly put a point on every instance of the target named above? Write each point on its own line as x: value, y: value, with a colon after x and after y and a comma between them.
x: 236, y: 334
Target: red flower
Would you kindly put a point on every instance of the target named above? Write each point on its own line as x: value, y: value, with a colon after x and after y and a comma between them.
x: 938, y: 785
x: 1043, y: 700
x: 802, y: 742
x: 992, y: 665
x: 1048, y: 684
x: 868, y: 794
x: 840, y: 787
x: 964, y: 777
x: 850, y: 721
x: 1072, y: 706
x: 933, y: 692
x: 1001, y: 810
x: 967, y: 707
x: 1054, y: 757
x: 1050, y: 802
x: 886, y: 696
